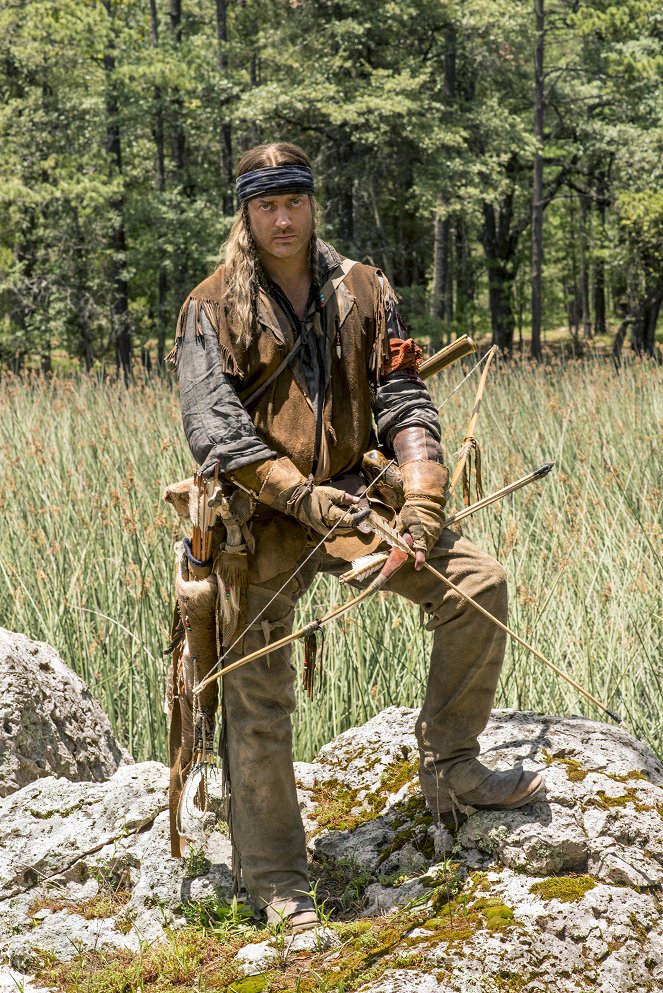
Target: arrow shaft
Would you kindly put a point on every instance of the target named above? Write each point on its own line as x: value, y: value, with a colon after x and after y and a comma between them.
x: 394, y: 561
x: 531, y: 477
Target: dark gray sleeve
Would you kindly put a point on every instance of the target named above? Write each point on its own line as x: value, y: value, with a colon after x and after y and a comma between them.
x: 402, y: 401
x: 217, y: 427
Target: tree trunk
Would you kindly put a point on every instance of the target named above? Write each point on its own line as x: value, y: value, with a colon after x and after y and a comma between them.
x: 618, y: 343
x: 572, y: 298
x: 500, y: 296
x: 584, y: 268
x: 651, y: 320
x: 225, y: 128
x: 254, y: 77
x: 464, y: 271
x: 441, y: 303
x: 81, y: 317
x: 500, y: 242
x: 643, y: 335
x: 600, y: 326
x: 450, y: 53
x: 177, y: 134
x: 537, y: 186
x: 25, y: 250
x: 159, y: 145
x: 45, y: 357
x: 121, y: 330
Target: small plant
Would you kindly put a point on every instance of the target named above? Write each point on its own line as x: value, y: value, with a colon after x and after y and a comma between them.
x: 280, y: 943
x: 219, y: 918
x: 195, y: 862
x: 323, y: 915
x: 449, y: 883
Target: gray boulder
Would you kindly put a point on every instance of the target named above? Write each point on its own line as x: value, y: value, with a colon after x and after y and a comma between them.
x: 85, y: 866
x: 563, y: 894
x: 50, y: 725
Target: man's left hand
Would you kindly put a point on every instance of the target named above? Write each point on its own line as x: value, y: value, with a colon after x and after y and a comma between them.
x: 425, y: 485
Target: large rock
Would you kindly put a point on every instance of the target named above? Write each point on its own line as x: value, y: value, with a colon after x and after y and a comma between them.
x: 560, y: 895
x: 87, y: 865
x: 49, y: 723
x: 563, y: 894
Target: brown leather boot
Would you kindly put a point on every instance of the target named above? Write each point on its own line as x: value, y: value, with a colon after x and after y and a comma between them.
x: 529, y: 788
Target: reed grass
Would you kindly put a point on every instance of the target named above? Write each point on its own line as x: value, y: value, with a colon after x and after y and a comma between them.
x: 86, y: 560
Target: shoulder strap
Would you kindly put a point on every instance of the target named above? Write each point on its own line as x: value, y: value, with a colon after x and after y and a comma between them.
x: 268, y: 382
x: 336, y: 279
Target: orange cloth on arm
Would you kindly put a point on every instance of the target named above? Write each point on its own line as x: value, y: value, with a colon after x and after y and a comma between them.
x: 403, y: 355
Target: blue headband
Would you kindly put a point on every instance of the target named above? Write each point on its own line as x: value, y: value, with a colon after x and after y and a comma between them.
x: 274, y: 179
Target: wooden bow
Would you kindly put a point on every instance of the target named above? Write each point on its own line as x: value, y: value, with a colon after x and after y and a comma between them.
x: 391, y: 563
x: 470, y: 444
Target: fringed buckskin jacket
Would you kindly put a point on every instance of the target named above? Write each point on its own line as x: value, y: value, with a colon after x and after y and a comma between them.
x: 353, y: 358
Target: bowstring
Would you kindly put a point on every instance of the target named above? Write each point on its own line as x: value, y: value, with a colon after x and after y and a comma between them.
x: 301, y: 565
x: 473, y: 369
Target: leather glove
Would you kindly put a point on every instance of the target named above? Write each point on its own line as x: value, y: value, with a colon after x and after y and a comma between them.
x: 425, y: 485
x: 279, y: 484
x: 425, y: 481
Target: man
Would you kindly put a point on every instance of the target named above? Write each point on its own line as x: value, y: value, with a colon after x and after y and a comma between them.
x: 282, y: 354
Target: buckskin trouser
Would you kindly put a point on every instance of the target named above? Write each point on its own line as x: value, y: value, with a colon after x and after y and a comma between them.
x: 259, y: 698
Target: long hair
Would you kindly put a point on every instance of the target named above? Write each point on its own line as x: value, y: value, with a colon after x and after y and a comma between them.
x: 244, y: 273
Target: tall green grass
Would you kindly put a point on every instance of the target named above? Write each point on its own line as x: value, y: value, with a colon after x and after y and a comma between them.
x: 86, y: 559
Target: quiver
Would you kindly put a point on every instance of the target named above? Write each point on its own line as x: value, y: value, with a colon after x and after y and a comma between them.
x: 192, y: 717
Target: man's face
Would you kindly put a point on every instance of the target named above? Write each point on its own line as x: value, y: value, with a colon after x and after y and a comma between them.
x: 281, y: 225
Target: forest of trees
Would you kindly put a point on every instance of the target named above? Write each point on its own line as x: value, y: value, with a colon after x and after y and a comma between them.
x: 501, y: 160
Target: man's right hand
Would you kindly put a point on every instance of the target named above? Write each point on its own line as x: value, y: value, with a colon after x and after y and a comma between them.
x: 279, y: 484
x: 322, y: 508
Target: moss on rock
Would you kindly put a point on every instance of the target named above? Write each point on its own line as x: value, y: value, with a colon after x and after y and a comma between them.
x: 335, y: 803
x: 251, y: 984
x: 574, y: 771
x: 339, y: 807
x: 630, y: 797
x: 495, y: 912
x: 568, y: 889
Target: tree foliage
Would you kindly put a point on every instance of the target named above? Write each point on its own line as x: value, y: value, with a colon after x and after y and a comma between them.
x: 121, y: 123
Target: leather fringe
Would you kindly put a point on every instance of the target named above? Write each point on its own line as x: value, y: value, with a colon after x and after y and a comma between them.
x: 180, y: 328
x: 381, y: 353
x: 231, y: 568
x: 213, y: 313
x: 310, y: 656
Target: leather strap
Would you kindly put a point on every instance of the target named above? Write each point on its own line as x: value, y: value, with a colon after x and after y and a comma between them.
x: 326, y: 293
x: 270, y: 379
